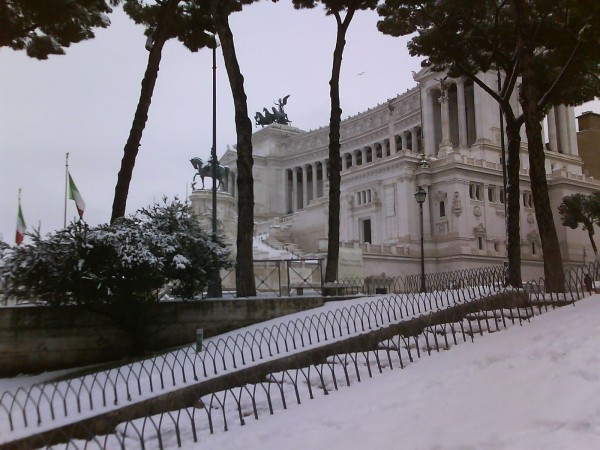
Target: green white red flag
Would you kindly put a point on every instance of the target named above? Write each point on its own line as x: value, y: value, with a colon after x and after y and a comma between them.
x: 21, y: 227
x: 75, y: 195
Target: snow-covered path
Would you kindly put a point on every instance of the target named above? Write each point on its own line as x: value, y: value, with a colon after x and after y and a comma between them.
x: 50, y: 405
x: 530, y: 387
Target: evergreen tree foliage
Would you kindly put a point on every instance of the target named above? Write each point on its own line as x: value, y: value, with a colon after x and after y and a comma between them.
x: 244, y: 268
x: 44, y: 27
x: 124, y: 263
x: 581, y: 209
x: 549, y: 47
x: 190, y: 23
x: 465, y: 38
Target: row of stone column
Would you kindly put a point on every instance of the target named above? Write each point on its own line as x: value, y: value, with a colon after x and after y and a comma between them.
x: 562, y: 133
x: 456, y: 111
x: 382, y: 149
x: 230, y: 185
x: 299, y: 190
x: 470, y: 117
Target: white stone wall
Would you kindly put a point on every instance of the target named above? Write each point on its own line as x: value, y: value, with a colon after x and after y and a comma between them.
x: 383, y: 164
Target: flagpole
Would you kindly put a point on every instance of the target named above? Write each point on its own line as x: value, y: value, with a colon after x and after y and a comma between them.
x: 66, y: 187
x: 20, y: 222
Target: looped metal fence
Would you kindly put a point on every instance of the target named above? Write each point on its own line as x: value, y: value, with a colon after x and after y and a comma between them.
x: 280, y: 277
x: 40, y: 405
x: 26, y: 411
x: 225, y: 409
x: 461, y: 279
x: 283, y: 277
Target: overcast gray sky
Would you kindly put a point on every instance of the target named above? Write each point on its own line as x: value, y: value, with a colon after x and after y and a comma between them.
x: 83, y: 103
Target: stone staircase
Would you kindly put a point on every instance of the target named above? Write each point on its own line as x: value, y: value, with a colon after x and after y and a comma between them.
x: 276, y: 246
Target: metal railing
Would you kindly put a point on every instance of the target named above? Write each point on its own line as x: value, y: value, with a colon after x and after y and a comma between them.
x: 467, y: 278
x: 27, y: 410
x: 42, y: 405
x: 280, y: 277
x: 284, y: 277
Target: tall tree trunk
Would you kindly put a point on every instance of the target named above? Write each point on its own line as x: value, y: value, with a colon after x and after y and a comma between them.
x: 553, y: 265
x: 590, y: 231
x: 161, y: 35
x: 244, y: 270
x: 335, y: 160
x: 513, y: 210
x: 528, y: 97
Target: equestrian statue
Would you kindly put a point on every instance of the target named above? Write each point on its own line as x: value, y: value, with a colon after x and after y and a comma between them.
x: 205, y: 170
x: 277, y: 115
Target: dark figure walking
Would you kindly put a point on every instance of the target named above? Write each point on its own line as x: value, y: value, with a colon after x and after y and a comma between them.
x: 587, y: 281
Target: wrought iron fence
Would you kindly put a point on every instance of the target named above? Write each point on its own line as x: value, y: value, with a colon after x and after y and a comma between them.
x: 283, y: 277
x: 280, y: 277
x: 222, y: 410
x: 26, y: 411
x: 41, y: 405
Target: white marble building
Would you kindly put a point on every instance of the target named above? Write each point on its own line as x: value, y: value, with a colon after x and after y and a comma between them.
x: 448, y: 144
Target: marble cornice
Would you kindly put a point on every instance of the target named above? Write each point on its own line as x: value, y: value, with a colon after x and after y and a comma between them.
x: 357, y: 127
x: 400, y: 166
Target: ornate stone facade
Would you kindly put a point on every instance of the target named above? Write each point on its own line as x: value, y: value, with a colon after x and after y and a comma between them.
x: 443, y: 135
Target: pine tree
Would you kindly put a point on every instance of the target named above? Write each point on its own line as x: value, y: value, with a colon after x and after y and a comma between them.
x: 550, y: 46
x: 343, y: 12
x: 187, y: 21
x: 43, y: 27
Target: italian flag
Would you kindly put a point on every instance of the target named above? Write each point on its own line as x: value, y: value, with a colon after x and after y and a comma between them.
x: 75, y: 195
x: 20, y: 226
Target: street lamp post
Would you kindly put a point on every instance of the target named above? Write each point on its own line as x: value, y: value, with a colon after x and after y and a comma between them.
x: 420, y: 197
x: 214, y: 285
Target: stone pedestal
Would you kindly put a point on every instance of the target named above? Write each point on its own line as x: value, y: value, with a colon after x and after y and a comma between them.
x: 201, y: 200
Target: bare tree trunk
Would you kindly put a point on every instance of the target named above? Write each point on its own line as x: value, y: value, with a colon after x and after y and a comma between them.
x: 335, y: 160
x: 161, y: 35
x: 528, y: 97
x: 590, y: 231
x: 553, y: 265
x: 513, y: 209
x: 244, y: 270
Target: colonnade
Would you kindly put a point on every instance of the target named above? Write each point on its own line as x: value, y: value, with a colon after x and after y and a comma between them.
x: 449, y: 116
x: 305, y: 183
x: 406, y: 140
x: 457, y: 113
x: 562, y: 133
x: 230, y: 185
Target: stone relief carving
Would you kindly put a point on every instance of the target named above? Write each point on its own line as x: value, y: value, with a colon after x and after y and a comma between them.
x: 443, y: 89
x: 479, y: 230
x: 424, y: 161
x: 456, y: 205
x: 350, y: 199
x: 533, y: 236
x: 441, y: 196
x: 442, y: 227
x: 530, y: 219
x: 477, y: 212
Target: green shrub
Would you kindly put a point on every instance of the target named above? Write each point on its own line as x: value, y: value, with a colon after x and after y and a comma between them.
x: 117, y: 268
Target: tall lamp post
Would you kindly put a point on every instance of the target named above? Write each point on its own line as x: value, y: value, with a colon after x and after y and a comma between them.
x: 214, y: 286
x: 420, y: 197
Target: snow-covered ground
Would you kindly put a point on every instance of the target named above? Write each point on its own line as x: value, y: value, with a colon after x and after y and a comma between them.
x: 530, y: 387
x: 25, y: 411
